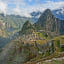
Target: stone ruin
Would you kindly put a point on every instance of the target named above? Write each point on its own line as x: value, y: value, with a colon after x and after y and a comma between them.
x: 49, y: 46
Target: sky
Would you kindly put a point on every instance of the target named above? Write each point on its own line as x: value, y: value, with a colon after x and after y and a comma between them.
x: 25, y: 7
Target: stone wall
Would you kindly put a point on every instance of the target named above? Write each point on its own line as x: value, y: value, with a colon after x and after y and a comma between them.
x: 47, y: 47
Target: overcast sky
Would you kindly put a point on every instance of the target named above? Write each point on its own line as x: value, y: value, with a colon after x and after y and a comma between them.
x: 24, y: 7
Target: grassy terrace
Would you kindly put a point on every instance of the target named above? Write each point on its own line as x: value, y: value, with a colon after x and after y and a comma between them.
x: 54, y: 62
x: 58, y: 53
x: 43, y: 60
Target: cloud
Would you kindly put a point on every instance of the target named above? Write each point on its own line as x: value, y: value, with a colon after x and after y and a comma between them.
x: 25, y: 11
x: 21, y: 12
x: 54, y: 5
x: 30, y: 0
x: 16, y: 11
x: 3, y: 7
x: 24, y: 8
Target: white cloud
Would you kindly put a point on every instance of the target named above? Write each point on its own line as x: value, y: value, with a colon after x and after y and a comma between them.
x: 21, y: 12
x: 29, y: 0
x: 16, y: 11
x: 3, y: 7
x: 55, y: 5
x: 25, y: 9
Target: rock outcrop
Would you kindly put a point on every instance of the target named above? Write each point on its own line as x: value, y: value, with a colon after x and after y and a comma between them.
x: 48, y: 22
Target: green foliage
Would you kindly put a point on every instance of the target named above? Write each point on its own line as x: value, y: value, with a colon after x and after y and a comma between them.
x: 61, y: 49
x: 54, y: 62
x: 58, y: 43
x: 27, y: 28
x: 46, y: 35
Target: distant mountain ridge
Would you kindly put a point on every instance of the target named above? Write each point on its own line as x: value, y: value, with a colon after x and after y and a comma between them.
x: 13, y: 23
x: 59, y: 13
x: 36, y: 14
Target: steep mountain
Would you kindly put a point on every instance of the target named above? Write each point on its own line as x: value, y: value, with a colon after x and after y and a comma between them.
x: 27, y: 28
x: 48, y: 22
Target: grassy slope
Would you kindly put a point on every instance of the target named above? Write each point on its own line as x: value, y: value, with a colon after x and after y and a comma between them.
x: 56, y: 54
x: 54, y: 62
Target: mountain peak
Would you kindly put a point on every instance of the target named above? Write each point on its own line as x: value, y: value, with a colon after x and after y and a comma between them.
x: 46, y: 15
x: 27, y: 23
x: 48, y: 22
x: 27, y: 28
x: 47, y: 10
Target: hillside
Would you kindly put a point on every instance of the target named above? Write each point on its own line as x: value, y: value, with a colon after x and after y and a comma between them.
x: 13, y: 23
x: 27, y: 28
x: 49, y: 23
x: 17, y: 52
x: 20, y: 51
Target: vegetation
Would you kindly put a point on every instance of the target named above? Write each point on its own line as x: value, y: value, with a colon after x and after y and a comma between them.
x: 27, y: 28
x: 39, y: 42
x: 54, y: 62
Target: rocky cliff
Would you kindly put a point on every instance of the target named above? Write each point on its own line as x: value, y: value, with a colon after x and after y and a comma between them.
x: 48, y: 22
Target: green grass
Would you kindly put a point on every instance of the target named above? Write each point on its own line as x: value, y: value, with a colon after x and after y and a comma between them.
x: 54, y: 62
x: 43, y: 35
